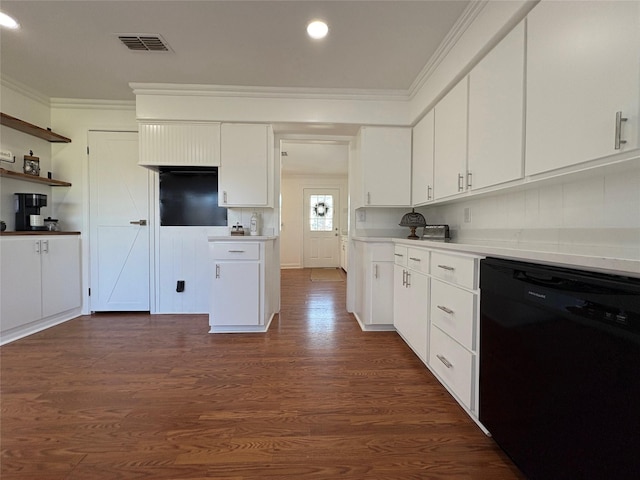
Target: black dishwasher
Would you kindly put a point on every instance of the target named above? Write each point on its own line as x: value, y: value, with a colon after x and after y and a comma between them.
x: 560, y: 369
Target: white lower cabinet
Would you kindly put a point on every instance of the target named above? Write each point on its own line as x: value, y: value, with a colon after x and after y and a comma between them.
x: 40, y: 283
x: 240, y: 298
x: 374, y: 279
x: 436, y: 313
x: 411, y: 299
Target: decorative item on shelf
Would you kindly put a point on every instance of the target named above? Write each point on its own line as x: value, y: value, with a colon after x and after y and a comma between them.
x: 3, y: 226
x: 413, y: 220
x: 31, y: 164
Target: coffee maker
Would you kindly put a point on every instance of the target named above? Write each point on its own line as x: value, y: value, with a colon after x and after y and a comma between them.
x: 28, y: 207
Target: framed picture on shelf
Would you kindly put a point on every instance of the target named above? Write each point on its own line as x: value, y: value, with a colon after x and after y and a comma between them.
x: 31, y: 165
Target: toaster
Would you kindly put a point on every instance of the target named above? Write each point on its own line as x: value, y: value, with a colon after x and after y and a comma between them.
x: 436, y: 233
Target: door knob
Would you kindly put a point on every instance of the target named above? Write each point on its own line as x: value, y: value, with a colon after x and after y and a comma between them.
x: 139, y: 222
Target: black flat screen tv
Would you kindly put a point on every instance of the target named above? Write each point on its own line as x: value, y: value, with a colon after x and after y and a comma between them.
x: 189, y: 197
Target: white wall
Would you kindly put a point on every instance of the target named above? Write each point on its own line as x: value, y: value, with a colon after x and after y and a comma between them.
x: 291, y: 235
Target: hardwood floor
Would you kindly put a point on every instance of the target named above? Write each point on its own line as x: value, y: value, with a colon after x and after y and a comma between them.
x: 134, y: 396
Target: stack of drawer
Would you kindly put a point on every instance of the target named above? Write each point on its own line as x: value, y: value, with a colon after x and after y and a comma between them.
x: 454, y: 324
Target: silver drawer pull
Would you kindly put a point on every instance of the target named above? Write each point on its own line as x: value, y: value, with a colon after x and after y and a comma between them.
x: 217, y: 270
x: 446, y: 267
x: 236, y: 251
x: 398, y: 255
x: 414, y: 259
x: 618, y: 140
x: 445, y: 309
x: 446, y: 362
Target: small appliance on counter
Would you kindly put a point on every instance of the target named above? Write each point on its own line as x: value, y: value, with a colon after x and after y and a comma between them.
x: 436, y: 233
x: 51, y: 224
x: 28, y: 207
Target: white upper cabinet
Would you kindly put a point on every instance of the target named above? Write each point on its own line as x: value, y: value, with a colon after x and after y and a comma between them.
x: 582, y: 68
x: 496, y: 114
x: 451, y: 142
x: 422, y: 177
x: 385, y: 159
x: 193, y: 144
x: 246, y: 163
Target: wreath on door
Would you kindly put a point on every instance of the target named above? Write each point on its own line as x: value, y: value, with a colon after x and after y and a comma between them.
x: 321, y: 209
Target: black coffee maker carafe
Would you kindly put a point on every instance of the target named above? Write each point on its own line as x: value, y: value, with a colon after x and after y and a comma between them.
x: 28, y: 207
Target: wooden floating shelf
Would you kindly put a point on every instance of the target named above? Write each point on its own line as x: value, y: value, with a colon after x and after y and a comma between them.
x: 31, y: 129
x: 32, y: 178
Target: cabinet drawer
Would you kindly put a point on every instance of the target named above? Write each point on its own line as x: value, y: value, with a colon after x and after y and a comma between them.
x: 236, y: 251
x: 418, y: 259
x: 455, y: 269
x: 400, y: 255
x: 453, y: 364
x: 454, y: 311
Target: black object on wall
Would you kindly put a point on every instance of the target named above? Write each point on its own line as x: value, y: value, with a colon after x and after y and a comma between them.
x: 189, y: 197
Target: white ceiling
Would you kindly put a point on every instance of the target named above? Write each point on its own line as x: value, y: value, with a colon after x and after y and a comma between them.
x: 69, y: 50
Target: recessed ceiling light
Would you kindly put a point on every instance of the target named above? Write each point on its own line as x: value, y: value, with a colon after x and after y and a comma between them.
x: 8, y: 22
x: 317, y: 29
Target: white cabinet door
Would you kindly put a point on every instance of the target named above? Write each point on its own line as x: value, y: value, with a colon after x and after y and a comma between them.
x: 386, y: 166
x: 582, y: 68
x: 246, y: 152
x: 20, y: 275
x: 496, y: 96
x: 194, y: 144
x: 451, y: 142
x: 236, y: 294
x: 410, y: 309
x: 422, y: 176
x: 60, y: 257
x: 382, y: 293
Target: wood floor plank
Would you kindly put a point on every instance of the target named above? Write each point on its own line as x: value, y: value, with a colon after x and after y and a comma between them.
x: 136, y: 396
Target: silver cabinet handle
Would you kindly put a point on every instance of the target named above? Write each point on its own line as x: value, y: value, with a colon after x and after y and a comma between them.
x: 368, y: 198
x: 45, y: 246
x: 415, y: 259
x: 429, y: 188
x: 404, y: 278
x: 398, y: 255
x: 618, y: 140
x: 460, y: 182
x: 445, y: 309
x: 139, y: 222
x: 469, y: 179
x: 224, y: 197
x: 408, y: 278
x: 217, y: 270
x: 236, y: 251
x: 375, y: 270
x: 444, y: 360
x: 446, y: 267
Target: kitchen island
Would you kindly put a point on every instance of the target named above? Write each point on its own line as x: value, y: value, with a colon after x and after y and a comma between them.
x: 245, y: 283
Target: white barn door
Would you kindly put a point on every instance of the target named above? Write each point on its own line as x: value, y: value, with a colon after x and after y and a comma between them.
x: 119, y: 223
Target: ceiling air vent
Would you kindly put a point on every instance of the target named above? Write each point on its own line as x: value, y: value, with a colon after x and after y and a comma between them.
x: 144, y: 42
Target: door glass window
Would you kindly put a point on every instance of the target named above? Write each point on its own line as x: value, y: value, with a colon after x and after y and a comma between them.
x: 321, y: 214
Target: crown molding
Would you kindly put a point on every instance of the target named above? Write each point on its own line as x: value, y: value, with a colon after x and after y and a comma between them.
x: 459, y: 28
x: 25, y: 90
x: 268, y: 92
x: 88, y: 104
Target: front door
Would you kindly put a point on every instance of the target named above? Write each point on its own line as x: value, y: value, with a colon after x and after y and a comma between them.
x: 119, y: 217
x: 321, y: 227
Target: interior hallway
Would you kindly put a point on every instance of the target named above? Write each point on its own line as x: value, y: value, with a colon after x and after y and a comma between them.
x: 120, y: 396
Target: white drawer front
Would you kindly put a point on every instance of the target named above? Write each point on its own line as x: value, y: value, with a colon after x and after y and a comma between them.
x: 454, y: 311
x: 455, y: 269
x: 453, y: 364
x: 236, y: 251
x: 418, y: 259
x: 400, y: 255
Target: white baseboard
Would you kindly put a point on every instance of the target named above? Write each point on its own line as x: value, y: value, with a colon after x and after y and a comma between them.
x: 22, y: 331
